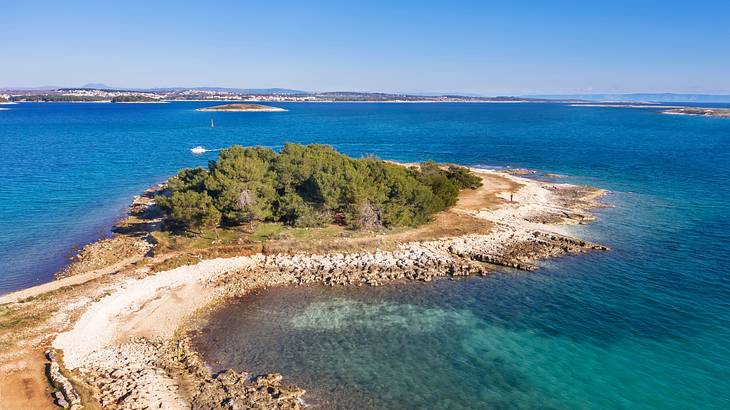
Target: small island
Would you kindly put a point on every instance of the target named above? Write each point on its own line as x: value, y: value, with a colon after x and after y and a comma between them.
x: 706, y: 112
x: 242, y: 108
x: 114, y: 331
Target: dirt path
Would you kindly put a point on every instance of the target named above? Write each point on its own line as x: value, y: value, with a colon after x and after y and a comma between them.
x: 68, y: 281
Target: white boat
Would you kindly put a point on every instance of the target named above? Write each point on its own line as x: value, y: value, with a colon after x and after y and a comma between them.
x: 198, y: 150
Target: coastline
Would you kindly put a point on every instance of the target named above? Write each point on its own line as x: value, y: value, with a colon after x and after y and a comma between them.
x: 308, y: 101
x: 624, y: 105
x: 136, y: 319
x: 699, y: 112
x: 140, y: 102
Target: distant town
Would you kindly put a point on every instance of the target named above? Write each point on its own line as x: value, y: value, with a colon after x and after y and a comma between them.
x: 90, y: 94
x: 103, y: 93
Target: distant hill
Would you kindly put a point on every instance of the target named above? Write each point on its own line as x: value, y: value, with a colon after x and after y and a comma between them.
x: 641, y: 97
x: 97, y: 86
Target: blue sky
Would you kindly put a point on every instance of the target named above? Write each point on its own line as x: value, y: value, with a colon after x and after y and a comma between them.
x: 485, y: 47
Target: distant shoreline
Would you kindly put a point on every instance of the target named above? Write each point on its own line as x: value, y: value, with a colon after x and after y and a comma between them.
x: 699, y: 112
x: 623, y: 105
x: 299, y: 102
x: 139, y: 102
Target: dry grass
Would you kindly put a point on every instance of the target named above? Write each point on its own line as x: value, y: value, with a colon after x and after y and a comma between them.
x: 486, y: 197
x: 175, y: 262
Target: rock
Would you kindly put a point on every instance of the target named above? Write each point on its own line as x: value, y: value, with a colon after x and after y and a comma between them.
x: 66, y: 391
x: 117, y: 373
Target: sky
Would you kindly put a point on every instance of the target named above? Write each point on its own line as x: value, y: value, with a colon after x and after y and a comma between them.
x: 477, y: 47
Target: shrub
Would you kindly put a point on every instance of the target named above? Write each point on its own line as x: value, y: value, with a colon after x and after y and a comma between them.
x: 190, y: 209
x: 462, y: 177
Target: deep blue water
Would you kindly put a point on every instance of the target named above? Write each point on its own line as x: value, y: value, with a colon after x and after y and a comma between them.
x: 645, y: 325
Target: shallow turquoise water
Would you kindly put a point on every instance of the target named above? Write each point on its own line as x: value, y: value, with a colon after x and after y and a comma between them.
x: 643, y: 326
x: 473, y: 343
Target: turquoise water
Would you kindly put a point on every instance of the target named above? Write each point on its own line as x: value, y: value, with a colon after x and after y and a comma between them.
x: 643, y: 326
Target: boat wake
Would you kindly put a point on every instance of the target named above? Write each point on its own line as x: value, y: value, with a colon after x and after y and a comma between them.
x: 202, y: 150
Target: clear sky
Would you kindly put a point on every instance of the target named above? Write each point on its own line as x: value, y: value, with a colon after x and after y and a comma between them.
x: 483, y: 47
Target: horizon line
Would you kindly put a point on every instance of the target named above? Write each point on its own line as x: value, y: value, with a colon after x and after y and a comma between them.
x: 102, y: 86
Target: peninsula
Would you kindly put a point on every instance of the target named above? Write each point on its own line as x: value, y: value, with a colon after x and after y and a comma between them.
x: 242, y: 108
x: 112, y: 330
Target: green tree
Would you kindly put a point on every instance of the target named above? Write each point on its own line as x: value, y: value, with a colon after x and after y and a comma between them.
x: 242, y: 184
x: 190, y: 210
x: 189, y: 179
x: 463, y: 177
x: 312, y: 185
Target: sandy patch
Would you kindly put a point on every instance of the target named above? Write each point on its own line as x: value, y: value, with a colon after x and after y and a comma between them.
x: 152, y: 306
x: 24, y: 384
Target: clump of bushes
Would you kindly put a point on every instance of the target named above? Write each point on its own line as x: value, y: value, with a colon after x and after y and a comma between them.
x: 134, y: 98
x: 310, y: 186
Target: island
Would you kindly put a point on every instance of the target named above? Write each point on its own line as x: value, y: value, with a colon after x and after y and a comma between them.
x: 113, y: 330
x: 700, y: 111
x: 665, y: 109
x: 242, y: 108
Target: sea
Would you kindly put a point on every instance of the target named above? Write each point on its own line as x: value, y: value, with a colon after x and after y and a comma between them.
x: 645, y: 325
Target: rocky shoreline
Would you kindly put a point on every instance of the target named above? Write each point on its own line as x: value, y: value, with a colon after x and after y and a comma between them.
x: 699, y: 111
x: 462, y: 256
x: 161, y: 373
x: 129, y: 349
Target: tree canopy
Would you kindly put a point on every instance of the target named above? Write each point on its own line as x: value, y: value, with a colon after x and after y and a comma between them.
x: 309, y: 186
x: 134, y: 98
